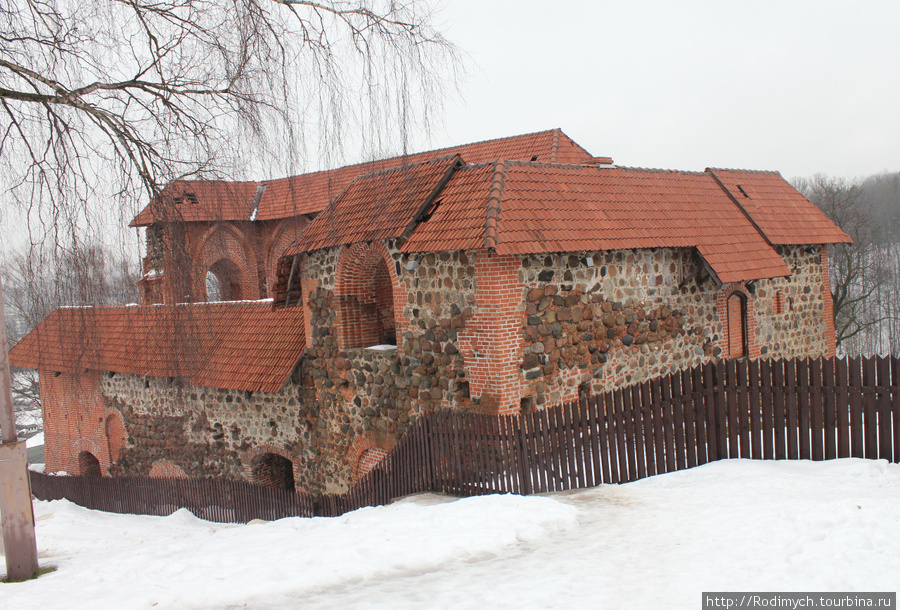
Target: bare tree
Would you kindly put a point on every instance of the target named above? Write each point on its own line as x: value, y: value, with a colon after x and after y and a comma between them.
x: 103, y: 103
x: 111, y: 99
x: 118, y: 97
x: 857, y: 269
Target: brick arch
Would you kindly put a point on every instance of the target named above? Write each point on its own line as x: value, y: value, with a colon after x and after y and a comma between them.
x: 365, y: 278
x: 116, y: 436
x: 726, y: 303
x: 224, y: 241
x: 370, y: 447
x: 252, y: 456
x: 85, y: 445
x: 164, y: 469
x: 283, y: 236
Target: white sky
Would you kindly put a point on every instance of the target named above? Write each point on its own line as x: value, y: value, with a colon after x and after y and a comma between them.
x: 798, y: 86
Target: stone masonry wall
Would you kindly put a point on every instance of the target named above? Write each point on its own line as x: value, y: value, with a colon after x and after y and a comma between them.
x: 376, y: 395
x: 212, y: 432
x: 625, y: 319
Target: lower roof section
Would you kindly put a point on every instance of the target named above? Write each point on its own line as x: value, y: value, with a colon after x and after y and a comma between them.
x: 234, y: 345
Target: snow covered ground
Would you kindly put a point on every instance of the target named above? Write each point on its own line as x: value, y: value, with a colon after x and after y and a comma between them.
x: 734, y: 525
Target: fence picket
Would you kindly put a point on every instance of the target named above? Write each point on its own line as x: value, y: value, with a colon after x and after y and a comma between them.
x: 856, y: 398
x: 883, y: 399
x: 895, y: 405
x: 700, y: 416
x: 817, y: 410
x: 630, y: 449
x: 677, y: 394
x: 829, y: 394
x: 754, y: 410
x: 765, y: 398
x: 870, y: 408
x: 790, y: 380
x: 637, y: 409
x: 803, y: 407
x: 743, y: 406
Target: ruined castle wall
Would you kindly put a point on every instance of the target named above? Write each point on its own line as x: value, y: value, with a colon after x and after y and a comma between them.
x: 212, y: 432
x: 374, y: 396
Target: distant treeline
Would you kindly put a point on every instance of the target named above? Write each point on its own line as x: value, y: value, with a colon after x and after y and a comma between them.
x: 865, y: 276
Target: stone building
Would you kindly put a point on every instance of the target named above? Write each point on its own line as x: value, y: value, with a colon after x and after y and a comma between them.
x: 498, y: 276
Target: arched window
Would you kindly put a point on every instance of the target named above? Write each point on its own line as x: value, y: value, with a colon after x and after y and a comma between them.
x: 223, y: 282
x: 736, y: 325
x: 273, y: 470
x: 88, y: 465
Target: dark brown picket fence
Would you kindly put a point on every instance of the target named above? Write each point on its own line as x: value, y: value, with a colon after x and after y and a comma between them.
x: 781, y: 409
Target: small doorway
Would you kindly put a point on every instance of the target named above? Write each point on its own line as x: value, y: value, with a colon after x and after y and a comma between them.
x: 273, y: 470
x: 736, y: 323
x: 89, y: 465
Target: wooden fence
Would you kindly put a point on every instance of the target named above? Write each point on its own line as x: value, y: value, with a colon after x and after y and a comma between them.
x: 771, y: 409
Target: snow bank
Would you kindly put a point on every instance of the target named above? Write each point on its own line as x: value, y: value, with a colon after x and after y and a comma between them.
x: 735, y: 525
x: 125, y: 561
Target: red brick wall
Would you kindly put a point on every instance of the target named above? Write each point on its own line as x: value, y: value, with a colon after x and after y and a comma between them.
x: 729, y: 310
x: 368, y: 460
x: 735, y: 325
x: 365, y: 452
x: 492, y: 340
x: 277, y: 238
x: 164, y: 469
x: 830, y: 338
x: 369, y: 296
x: 226, y: 241
x: 75, y: 420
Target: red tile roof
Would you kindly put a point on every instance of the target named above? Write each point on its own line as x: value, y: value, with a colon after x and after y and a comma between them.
x: 240, y: 346
x: 783, y: 214
x: 200, y: 200
x: 310, y: 193
x: 382, y: 205
x: 519, y: 208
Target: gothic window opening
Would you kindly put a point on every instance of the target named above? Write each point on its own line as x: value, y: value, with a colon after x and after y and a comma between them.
x: 224, y: 281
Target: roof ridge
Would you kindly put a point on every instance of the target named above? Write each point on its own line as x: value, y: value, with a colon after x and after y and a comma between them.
x: 771, y: 172
x: 493, y: 209
x: 516, y: 162
x: 405, y: 155
x: 395, y: 168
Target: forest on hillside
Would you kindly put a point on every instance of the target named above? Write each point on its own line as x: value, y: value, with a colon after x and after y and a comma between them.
x: 865, y: 275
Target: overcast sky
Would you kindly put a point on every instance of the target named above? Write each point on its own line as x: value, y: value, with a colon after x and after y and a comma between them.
x: 795, y: 85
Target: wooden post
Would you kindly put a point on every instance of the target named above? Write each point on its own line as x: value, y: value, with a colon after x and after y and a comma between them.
x: 15, y: 491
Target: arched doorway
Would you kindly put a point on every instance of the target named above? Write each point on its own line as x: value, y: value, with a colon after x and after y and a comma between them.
x: 88, y: 465
x: 736, y: 325
x: 224, y: 281
x: 272, y: 470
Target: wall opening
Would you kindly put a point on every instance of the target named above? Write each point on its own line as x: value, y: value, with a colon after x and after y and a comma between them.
x: 273, y: 470
x: 736, y: 322
x: 367, y: 307
x: 224, y: 281
x: 88, y: 465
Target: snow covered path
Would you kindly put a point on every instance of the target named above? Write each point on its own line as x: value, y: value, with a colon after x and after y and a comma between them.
x: 657, y: 543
